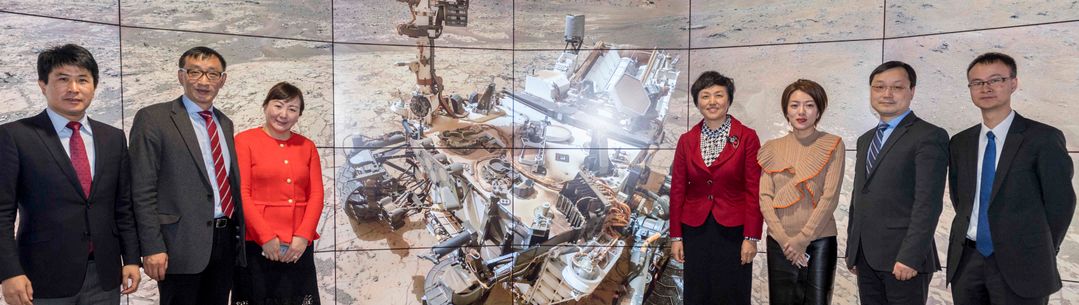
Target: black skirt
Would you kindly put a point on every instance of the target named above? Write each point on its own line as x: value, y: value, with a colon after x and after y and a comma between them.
x: 265, y: 282
x: 714, y: 273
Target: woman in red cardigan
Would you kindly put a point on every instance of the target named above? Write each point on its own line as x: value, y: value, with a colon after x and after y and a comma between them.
x: 715, y: 218
x: 281, y: 185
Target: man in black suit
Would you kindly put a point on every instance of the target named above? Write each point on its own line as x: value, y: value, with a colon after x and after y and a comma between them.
x: 185, y: 187
x: 68, y: 178
x: 898, y: 195
x: 1010, y: 184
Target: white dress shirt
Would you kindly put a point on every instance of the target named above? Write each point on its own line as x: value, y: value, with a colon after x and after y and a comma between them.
x: 60, y: 124
x: 1001, y: 134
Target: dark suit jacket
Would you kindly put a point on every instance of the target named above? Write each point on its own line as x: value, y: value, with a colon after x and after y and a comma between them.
x: 727, y: 188
x: 174, y: 201
x: 57, y: 222
x: 894, y: 210
x: 1030, y: 208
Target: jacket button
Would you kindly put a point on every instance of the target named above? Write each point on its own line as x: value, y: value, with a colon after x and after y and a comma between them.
x: 281, y: 145
x: 290, y: 201
x: 709, y: 181
x: 288, y: 180
x: 709, y: 197
x: 286, y: 161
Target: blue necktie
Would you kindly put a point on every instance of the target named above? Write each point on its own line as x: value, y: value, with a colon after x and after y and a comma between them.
x: 989, y: 172
x: 874, y: 148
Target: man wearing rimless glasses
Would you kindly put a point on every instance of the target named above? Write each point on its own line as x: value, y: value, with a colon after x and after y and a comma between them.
x: 1010, y: 183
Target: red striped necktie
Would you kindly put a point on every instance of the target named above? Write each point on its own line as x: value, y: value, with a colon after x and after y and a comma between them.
x: 219, y: 165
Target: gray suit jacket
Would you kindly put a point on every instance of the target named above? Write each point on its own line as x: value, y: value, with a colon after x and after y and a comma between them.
x: 173, y: 198
x: 894, y: 210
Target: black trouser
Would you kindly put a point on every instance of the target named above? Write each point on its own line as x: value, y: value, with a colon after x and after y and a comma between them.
x: 978, y: 281
x: 879, y: 287
x: 714, y: 273
x: 790, y: 284
x: 213, y: 284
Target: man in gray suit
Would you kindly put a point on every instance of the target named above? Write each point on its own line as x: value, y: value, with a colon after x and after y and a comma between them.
x: 184, y: 187
x: 898, y: 195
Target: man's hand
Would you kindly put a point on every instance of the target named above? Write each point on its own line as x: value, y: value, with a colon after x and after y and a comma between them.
x: 156, y: 265
x: 295, y: 249
x: 749, y: 250
x: 677, y: 252
x: 853, y: 270
x: 902, y: 272
x: 272, y: 250
x: 17, y: 290
x: 129, y: 279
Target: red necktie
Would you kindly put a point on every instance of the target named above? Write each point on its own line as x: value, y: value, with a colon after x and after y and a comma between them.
x: 78, y: 158
x: 219, y: 165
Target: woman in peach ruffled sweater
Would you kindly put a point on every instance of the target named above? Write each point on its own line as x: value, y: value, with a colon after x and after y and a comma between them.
x: 799, y: 191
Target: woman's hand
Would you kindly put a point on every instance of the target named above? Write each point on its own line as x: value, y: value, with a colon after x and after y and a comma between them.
x: 295, y: 249
x: 272, y: 250
x: 749, y: 250
x: 677, y: 251
x: 795, y: 248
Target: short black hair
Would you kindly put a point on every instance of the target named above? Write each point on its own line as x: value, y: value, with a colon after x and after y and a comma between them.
x: 65, y: 55
x: 713, y: 78
x: 892, y: 65
x: 993, y: 57
x: 200, y: 53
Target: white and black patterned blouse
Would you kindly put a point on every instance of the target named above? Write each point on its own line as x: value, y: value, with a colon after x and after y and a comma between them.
x: 713, y: 140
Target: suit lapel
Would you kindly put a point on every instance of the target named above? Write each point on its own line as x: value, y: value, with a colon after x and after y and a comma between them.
x: 732, y: 144
x: 99, y: 153
x: 51, y: 140
x: 968, y: 170
x: 695, y: 145
x: 900, y: 130
x: 182, y: 121
x: 1007, y: 155
x: 859, y: 161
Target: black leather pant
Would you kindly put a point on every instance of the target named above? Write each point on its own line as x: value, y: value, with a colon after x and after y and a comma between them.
x: 788, y: 284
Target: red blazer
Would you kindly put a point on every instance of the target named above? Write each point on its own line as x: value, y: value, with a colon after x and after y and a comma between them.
x: 281, y: 185
x: 728, y: 188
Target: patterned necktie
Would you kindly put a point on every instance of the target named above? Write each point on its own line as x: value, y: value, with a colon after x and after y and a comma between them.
x: 219, y: 165
x: 874, y: 148
x: 989, y: 172
x: 78, y: 158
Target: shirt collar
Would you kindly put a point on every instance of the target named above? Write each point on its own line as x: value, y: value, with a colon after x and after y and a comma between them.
x: 59, y: 122
x: 716, y: 132
x: 895, y: 121
x: 1001, y: 130
x: 193, y: 108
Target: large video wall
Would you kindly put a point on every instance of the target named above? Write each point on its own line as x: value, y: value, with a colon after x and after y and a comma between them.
x: 352, y: 65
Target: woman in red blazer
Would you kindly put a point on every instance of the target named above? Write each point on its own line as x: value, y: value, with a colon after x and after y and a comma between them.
x: 281, y: 185
x: 715, y: 218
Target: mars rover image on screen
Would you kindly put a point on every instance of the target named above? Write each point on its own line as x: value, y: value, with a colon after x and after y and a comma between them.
x: 541, y: 195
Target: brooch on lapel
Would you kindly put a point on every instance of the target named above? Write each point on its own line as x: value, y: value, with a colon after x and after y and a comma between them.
x: 733, y: 140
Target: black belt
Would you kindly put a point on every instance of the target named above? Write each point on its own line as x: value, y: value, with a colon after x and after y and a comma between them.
x: 220, y: 223
x: 970, y: 243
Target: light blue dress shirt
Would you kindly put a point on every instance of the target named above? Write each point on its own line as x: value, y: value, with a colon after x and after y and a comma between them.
x: 203, y: 135
x: 891, y: 126
x: 60, y: 124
